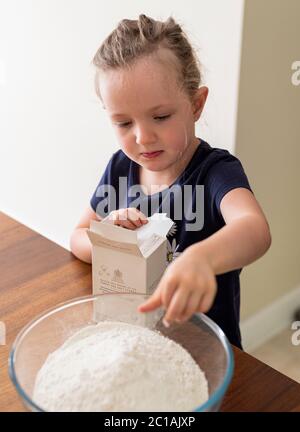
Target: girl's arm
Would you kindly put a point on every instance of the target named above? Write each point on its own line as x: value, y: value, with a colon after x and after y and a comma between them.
x: 245, y: 237
x: 189, y: 283
x: 80, y: 244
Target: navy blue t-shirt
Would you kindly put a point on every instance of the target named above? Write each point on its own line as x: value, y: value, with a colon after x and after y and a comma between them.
x: 193, y: 203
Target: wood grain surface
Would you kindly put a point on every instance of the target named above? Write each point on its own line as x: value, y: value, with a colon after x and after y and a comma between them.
x: 37, y: 274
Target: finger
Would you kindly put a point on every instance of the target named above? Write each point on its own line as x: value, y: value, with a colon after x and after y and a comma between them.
x: 122, y: 214
x: 134, y: 217
x: 191, y: 306
x: 121, y: 219
x: 137, y: 217
x: 167, y: 294
x: 177, y: 304
x: 206, y: 302
x: 165, y: 289
x: 143, y: 221
x: 152, y: 303
x: 142, y: 216
x: 168, y: 285
x: 125, y: 224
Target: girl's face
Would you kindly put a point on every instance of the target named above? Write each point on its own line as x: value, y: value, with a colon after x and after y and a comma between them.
x: 154, y: 121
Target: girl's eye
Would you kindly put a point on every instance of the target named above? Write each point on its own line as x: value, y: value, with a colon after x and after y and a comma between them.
x: 160, y: 118
x: 123, y: 124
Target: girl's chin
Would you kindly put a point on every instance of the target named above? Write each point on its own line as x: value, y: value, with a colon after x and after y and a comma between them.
x: 152, y: 165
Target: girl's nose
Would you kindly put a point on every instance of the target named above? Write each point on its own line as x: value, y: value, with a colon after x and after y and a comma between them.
x: 145, y: 136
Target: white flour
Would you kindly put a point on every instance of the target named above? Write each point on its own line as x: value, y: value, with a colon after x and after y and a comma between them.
x: 116, y: 366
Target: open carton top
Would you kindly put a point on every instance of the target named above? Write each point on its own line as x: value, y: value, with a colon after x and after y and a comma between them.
x: 142, y: 241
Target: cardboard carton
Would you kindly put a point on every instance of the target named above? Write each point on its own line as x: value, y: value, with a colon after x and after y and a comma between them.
x: 128, y: 261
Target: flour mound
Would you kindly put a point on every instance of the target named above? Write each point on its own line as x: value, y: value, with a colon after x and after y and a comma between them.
x: 114, y: 366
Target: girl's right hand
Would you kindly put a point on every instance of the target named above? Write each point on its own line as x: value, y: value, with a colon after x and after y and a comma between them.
x: 130, y: 218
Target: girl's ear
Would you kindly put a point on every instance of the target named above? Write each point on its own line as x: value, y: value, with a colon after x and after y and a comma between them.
x: 199, y: 102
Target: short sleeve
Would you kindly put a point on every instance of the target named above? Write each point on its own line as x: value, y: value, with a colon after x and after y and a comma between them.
x: 227, y: 174
x: 99, y: 194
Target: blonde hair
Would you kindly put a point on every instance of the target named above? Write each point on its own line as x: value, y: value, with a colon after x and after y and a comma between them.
x: 135, y: 39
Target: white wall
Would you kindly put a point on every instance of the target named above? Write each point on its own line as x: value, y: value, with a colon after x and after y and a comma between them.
x: 54, y: 138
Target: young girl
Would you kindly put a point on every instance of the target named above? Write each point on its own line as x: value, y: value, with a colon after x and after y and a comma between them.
x: 149, y: 82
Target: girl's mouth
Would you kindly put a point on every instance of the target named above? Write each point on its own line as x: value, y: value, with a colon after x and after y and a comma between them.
x: 152, y: 154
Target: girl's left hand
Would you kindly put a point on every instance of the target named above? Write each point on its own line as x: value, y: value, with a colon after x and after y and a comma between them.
x: 187, y: 286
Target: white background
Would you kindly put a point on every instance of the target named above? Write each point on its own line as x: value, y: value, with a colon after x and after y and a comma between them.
x: 55, y: 140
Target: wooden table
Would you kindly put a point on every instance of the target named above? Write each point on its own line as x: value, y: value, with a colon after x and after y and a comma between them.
x: 36, y: 274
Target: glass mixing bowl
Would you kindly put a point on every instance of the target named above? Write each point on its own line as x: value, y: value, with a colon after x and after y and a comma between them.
x: 200, y: 336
